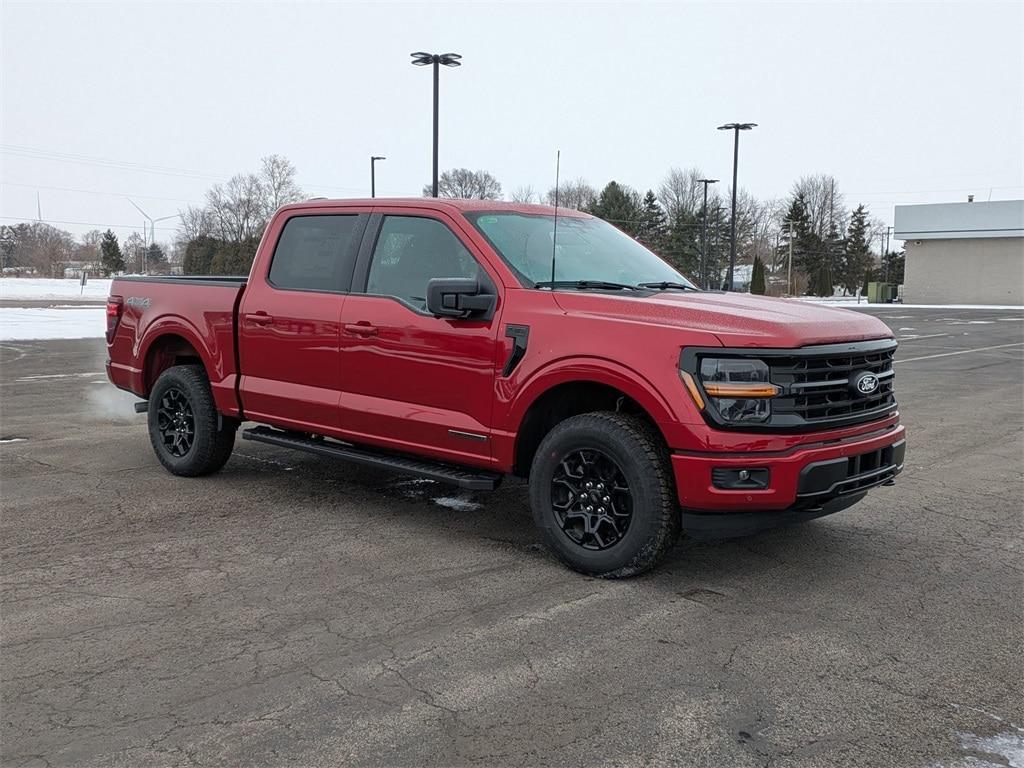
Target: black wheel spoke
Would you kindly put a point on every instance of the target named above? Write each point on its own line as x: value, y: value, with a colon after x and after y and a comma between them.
x: 176, y: 422
x: 591, y: 500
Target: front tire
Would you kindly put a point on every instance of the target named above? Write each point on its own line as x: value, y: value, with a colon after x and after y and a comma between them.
x: 602, y: 495
x: 189, y: 436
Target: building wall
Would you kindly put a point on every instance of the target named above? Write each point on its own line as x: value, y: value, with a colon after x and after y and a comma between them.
x: 965, y: 271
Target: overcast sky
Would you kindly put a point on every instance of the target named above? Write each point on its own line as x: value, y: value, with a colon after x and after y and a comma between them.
x: 902, y: 103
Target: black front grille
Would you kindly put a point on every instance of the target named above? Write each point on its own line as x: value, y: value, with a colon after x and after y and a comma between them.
x: 817, y: 389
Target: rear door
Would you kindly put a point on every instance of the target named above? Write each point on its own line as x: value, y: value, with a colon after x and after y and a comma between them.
x: 289, y: 319
x: 412, y: 381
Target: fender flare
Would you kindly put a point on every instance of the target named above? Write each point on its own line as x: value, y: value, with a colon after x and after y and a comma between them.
x: 590, y: 369
x: 174, y: 325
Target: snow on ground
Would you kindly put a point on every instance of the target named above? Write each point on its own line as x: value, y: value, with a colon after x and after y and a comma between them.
x: 850, y: 301
x: 24, y: 323
x: 45, y: 289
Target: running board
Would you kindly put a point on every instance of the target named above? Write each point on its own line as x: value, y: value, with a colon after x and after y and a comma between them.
x: 463, y: 477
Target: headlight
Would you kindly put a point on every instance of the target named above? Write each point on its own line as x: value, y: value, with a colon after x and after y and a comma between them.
x: 738, y: 388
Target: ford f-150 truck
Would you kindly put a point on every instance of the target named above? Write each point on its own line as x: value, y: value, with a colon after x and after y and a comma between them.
x: 464, y: 341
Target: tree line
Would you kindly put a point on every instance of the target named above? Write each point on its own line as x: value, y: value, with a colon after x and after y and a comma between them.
x: 828, y: 242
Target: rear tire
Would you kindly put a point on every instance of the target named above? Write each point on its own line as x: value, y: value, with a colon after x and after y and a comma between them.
x: 189, y: 435
x: 603, y: 496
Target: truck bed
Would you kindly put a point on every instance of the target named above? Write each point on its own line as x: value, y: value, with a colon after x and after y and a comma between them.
x: 202, y: 311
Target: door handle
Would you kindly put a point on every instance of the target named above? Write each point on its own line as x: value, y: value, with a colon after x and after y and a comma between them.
x: 258, y: 318
x: 362, y: 328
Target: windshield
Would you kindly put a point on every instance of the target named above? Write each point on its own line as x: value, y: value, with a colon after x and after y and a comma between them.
x: 587, y: 250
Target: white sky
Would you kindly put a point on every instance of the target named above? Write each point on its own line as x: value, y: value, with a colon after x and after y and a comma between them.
x: 903, y: 103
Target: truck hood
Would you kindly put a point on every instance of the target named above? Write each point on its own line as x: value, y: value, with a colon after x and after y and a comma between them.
x: 737, y: 319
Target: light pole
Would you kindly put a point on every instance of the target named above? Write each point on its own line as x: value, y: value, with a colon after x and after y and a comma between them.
x: 704, y: 228
x: 373, y: 174
x: 421, y: 59
x: 735, y: 128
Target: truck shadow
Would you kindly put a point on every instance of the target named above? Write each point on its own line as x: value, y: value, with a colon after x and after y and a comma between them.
x: 502, y: 518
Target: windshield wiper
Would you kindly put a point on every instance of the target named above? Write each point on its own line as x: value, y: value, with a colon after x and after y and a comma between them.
x: 582, y: 285
x: 664, y: 286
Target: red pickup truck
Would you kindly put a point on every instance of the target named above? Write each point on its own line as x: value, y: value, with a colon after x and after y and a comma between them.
x: 468, y: 340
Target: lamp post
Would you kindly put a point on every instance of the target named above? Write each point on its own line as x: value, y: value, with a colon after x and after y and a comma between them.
x: 735, y: 128
x: 373, y: 174
x: 422, y: 59
x: 704, y: 228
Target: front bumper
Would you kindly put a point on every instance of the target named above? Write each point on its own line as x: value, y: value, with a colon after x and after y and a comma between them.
x: 805, y: 477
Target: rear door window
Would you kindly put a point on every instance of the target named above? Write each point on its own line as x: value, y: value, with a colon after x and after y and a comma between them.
x: 316, y: 253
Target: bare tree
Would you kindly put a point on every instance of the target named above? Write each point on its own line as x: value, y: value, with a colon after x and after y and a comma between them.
x: 133, y: 250
x: 524, y: 194
x: 277, y: 175
x: 825, y: 203
x: 682, y: 194
x: 237, y: 209
x: 577, y: 194
x: 37, y: 248
x: 464, y: 183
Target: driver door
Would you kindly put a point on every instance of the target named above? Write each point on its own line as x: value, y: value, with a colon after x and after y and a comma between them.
x: 411, y: 381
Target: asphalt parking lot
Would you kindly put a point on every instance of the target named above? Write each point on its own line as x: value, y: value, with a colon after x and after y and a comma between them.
x: 289, y: 611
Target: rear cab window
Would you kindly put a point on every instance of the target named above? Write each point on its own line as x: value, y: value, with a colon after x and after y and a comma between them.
x: 316, y: 252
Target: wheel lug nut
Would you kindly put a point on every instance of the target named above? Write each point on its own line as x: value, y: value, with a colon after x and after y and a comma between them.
x: 589, y: 485
x: 590, y: 508
x: 606, y: 499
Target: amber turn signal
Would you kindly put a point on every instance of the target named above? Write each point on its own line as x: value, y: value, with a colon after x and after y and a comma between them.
x: 692, y: 388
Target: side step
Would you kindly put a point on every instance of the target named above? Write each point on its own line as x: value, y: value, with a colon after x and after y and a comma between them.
x: 463, y: 477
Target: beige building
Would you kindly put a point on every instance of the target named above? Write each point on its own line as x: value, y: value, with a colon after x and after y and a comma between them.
x: 963, y: 253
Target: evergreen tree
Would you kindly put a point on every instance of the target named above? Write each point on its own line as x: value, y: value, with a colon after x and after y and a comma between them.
x: 857, y: 259
x: 199, y: 255
x: 652, y: 231
x: 619, y: 205
x: 155, y: 255
x: 110, y: 254
x: 682, y: 246
x: 757, y: 281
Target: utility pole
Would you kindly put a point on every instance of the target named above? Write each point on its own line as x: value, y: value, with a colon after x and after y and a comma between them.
x: 704, y: 230
x: 789, y: 276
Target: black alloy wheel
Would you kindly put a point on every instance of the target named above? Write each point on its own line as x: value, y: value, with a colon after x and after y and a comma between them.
x: 591, y: 499
x: 176, y: 423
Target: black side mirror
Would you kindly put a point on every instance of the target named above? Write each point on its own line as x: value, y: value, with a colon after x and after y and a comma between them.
x: 457, y: 297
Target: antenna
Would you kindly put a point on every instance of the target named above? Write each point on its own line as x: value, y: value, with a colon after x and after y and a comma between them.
x: 554, y: 233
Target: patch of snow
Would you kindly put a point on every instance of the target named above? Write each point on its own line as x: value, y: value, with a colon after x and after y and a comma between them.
x: 1008, y: 746
x: 25, y: 323
x: 43, y: 289
x: 852, y: 302
x: 458, y: 504
x: 11, y: 440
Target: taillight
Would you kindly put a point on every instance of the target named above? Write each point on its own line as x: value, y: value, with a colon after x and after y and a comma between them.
x: 115, y: 307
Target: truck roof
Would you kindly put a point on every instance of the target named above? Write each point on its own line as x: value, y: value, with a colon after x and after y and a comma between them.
x: 438, y: 203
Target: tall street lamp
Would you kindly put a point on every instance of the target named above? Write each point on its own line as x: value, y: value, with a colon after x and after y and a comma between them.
x: 704, y: 228
x: 735, y: 128
x: 373, y: 174
x: 421, y: 59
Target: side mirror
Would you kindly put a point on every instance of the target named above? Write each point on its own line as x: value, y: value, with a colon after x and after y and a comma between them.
x: 457, y: 297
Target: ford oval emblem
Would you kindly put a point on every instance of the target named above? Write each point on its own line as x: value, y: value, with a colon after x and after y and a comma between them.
x: 865, y: 384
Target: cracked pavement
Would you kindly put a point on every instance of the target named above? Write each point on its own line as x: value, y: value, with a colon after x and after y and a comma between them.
x: 292, y: 611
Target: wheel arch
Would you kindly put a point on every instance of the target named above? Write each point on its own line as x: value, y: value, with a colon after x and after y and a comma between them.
x: 580, y: 387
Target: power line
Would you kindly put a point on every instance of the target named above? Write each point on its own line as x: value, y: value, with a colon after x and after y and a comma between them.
x: 81, y: 223
x: 99, y: 192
